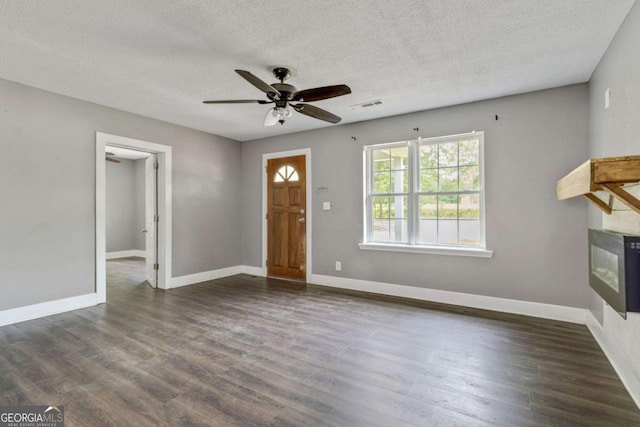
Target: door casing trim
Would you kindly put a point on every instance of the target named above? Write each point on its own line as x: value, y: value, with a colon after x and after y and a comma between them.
x: 306, y: 152
x: 164, y: 207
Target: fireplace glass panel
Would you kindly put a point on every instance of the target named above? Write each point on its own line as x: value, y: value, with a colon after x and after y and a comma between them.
x: 604, y: 265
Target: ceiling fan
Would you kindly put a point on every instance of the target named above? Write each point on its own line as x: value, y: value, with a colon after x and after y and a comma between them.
x: 284, y: 96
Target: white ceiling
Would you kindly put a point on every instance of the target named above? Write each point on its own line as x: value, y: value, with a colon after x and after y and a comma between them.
x: 161, y: 58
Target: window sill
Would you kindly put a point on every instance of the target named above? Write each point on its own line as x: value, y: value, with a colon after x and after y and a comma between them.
x: 436, y: 250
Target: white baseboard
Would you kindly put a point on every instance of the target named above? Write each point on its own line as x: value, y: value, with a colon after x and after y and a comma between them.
x: 126, y: 254
x: 190, y: 279
x: 535, y: 309
x: 48, y: 308
x: 254, y: 271
x: 621, y: 367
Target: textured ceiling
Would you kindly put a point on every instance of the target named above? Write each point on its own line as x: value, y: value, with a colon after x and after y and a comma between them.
x: 161, y: 58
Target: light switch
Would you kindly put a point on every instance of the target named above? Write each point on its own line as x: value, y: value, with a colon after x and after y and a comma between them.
x: 326, y: 206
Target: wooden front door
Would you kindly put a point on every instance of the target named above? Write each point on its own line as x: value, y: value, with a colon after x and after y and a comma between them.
x: 286, y: 217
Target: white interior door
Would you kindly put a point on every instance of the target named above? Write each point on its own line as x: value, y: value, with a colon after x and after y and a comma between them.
x: 151, y: 215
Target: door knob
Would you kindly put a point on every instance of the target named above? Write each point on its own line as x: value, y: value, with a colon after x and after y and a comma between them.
x: 144, y: 230
x: 301, y: 220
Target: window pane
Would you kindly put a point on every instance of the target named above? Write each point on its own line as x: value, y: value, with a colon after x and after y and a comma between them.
x: 380, y: 207
x: 469, y: 232
x: 381, y: 159
x: 469, y: 178
x: 399, y: 181
x: 400, y: 158
x: 428, y: 224
x: 448, y: 207
x: 429, y: 156
x: 448, y: 220
x: 381, y: 182
x: 469, y: 219
x: 428, y: 206
x: 428, y: 231
x: 448, y: 154
x: 382, y: 165
x: 429, y: 180
x: 286, y: 173
x: 380, y: 230
x: 469, y: 206
x: 399, y: 231
x: 470, y: 152
x: 448, y: 232
x: 399, y: 207
x: 291, y: 171
x: 448, y: 179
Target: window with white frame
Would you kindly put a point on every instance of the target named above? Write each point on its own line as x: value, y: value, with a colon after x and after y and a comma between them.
x: 427, y: 192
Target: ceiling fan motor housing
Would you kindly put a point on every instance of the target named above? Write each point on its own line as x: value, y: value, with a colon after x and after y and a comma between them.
x: 281, y: 73
x: 286, y: 90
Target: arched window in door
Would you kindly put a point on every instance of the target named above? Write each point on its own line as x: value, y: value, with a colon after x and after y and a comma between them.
x: 286, y: 173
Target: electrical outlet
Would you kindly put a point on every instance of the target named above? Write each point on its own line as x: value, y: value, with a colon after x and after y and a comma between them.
x: 338, y: 266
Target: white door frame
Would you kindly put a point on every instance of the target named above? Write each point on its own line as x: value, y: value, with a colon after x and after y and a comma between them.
x: 306, y: 152
x: 164, y: 207
x: 150, y: 225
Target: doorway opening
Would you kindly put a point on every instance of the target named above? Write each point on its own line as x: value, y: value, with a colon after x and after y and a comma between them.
x: 155, y: 233
x: 286, y: 202
x: 131, y: 211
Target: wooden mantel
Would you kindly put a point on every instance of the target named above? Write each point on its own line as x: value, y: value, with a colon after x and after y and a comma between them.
x: 608, y: 174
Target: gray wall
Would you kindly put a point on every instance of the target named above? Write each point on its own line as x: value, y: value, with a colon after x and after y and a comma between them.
x: 616, y: 132
x: 125, y: 188
x: 139, y: 179
x: 47, y: 183
x: 538, y: 138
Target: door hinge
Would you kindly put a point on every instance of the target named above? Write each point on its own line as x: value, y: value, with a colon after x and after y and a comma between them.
x: 266, y: 216
x: 266, y: 263
x: 156, y: 266
x: 156, y: 165
x: 156, y: 218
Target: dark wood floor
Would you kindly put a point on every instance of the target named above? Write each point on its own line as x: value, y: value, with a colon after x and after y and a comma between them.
x: 251, y: 351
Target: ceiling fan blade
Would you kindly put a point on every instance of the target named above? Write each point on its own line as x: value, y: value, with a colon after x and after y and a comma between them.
x: 110, y: 159
x: 238, y: 101
x: 266, y: 88
x: 270, y: 119
x: 316, y: 113
x: 318, y: 93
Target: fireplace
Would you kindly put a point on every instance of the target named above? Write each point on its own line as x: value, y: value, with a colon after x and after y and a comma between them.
x: 614, y: 269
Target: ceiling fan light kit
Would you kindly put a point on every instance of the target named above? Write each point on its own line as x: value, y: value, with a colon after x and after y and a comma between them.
x: 277, y: 115
x: 283, y: 95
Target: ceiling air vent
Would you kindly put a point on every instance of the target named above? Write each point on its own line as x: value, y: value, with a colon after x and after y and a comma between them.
x: 367, y: 104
